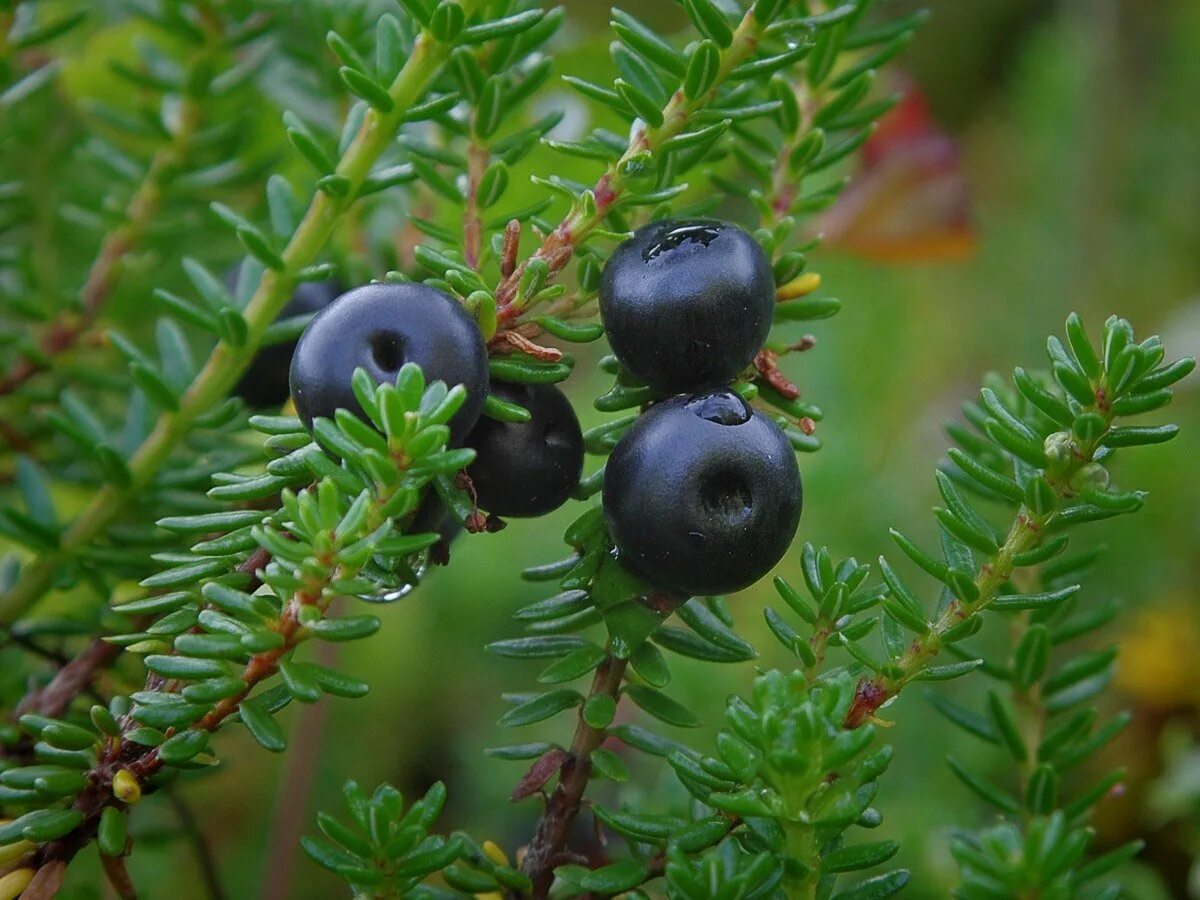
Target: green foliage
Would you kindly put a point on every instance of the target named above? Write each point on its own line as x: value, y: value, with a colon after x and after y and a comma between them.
x: 248, y: 536
x: 387, y: 850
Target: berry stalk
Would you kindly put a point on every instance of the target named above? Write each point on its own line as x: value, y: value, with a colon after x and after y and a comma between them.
x: 227, y: 362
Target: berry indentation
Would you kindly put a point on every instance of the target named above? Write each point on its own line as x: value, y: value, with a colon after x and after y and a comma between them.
x: 726, y: 496
x: 387, y: 350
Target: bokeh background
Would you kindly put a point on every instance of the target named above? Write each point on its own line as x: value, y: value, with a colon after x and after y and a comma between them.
x: 1077, y: 142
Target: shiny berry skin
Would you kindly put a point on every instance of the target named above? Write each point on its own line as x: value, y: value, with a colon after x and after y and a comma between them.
x: 431, y: 514
x: 687, y: 304
x: 702, y: 495
x: 527, y: 468
x: 265, y: 382
x: 380, y: 327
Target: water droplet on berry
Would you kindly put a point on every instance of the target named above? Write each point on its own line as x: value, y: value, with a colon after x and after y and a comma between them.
x: 722, y: 407
x: 675, y: 237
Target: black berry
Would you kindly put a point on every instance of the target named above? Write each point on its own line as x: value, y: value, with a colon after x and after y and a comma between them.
x: 265, y: 382
x: 686, y: 305
x: 702, y: 495
x: 431, y: 514
x: 380, y: 327
x: 527, y: 468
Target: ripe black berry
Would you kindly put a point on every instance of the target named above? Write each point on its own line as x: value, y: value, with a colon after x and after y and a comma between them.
x: 686, y: 305
x: 527, y: 468
x: 265, y: 382
x: 702, y: 495
x: 380, y: 327
x: 431, y: 514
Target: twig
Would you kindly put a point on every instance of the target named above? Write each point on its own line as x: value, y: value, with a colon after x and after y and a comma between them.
x: 550, y: 836
x: 77, y: 674
x: 137, y: 764
x: 1026, y: 532
x: 558, y: 247
x: 72, y: 679
x: 226, y: 362
x: 142, y: 763
x: 477, y: 157
x: 65, y: 331
x: 118, y: 876
x: 295, y: 789
x: 206, y: 860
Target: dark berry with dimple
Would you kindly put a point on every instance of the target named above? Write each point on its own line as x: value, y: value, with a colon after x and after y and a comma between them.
x: 380, y: 327
x: 702, y: 495
x: 527, y: 468
x: 687, y: 304
x: 265, y: 383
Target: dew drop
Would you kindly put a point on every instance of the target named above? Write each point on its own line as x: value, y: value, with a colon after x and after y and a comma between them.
x: 398, y: 590
x: 675, y: 237
x: 722, y: 407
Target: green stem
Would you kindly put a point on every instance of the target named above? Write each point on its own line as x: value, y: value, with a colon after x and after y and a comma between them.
x: 143, y: 763
x: 65, y: 331
x: 1026, y: 533
x: 801, y: 844
x: 226, y: 363
x: 1031, y: 718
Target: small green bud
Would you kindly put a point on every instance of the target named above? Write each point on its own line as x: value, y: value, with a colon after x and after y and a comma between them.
x: 1059, y: 447
x: 447, y: 21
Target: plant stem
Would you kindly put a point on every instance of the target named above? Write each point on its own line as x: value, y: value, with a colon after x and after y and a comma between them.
x: 872, y: 693
x: 71, y: 680
x: 143, y: 762
x: 550, y: 836
x: 1025, y: 534
x: 68, y: 327
x: 226, y: 363
x: 292, y: 808
x: 477, y: 159
x: 559, y: 245
x: 1031, y: 718
x: 65, y: 331
x: 206, y: 860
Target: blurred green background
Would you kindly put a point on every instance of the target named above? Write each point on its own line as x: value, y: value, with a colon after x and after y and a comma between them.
x: 1080, y: 142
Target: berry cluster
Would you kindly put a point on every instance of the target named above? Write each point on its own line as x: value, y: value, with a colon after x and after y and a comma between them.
x: 702, y: 495
x: 520, y: 469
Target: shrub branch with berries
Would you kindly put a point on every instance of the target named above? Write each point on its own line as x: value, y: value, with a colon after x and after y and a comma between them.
x: 424, y: 402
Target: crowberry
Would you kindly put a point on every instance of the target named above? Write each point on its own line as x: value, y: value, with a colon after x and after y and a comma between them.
x: 686, y: 305
x: 265, y: 381
x: 702, y: 495
x: 380, y: 327
x: 527, y: 468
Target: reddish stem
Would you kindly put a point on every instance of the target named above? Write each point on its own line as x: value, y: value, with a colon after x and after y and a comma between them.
x: 549, y: 839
